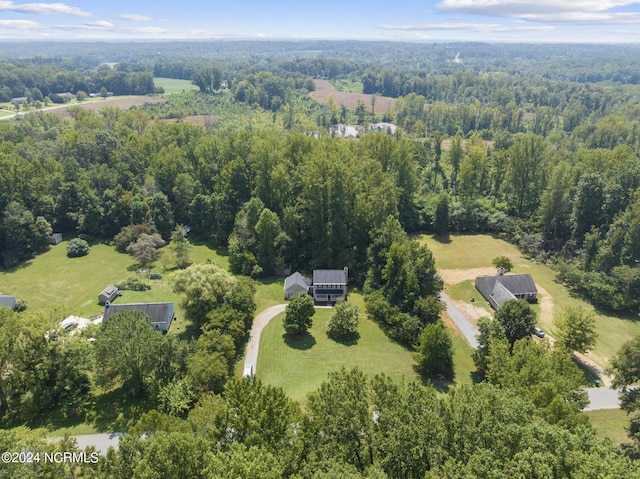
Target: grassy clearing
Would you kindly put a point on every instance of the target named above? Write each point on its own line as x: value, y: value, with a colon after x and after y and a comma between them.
x: 5, y: 113
x: 466, y: 252
x: 53, y: 279
x: 173, y: 85
x: 349, y: 86
x: 610, y: 423
x: 300, y: 365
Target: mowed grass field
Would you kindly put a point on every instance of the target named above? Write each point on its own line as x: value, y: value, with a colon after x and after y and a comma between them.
x: 462, y: 254
x: 53, y: 279
x: 300, y: 365
x: 610, y: 423
x: 173, y: 85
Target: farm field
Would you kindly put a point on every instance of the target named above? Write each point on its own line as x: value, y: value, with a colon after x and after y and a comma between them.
x: 324, y: 88
x: 173, y: 85
x: 463, y: 257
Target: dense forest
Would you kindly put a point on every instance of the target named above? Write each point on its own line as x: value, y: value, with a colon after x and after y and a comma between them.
x: 537, y: 145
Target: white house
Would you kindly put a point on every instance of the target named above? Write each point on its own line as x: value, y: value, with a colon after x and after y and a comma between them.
x: 296, y: 284
x: 329, y: 284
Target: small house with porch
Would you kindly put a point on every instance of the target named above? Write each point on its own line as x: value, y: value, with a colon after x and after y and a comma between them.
x: 328, y: 285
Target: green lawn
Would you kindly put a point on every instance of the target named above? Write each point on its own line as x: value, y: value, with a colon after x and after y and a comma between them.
x: 611, y: 423
x: 463, y: 252
x: 5, y: 113
x: 52, y: 279
x: 173, y: 85
x: 300, y: 365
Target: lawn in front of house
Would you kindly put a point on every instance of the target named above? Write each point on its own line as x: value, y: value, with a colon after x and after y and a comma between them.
x: 300, y: 365
x: 52, y: 279
x: 464, y: 253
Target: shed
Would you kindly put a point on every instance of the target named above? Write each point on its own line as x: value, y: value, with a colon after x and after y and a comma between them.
x: 108, y: 294
x: 296, y: 284
x: 160, y: 314
x: 55, y: 238
x: 8, y: 301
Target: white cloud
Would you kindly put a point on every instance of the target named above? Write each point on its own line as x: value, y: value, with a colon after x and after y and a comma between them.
x: 19, y: 24
x: 100, y: 24
x: 43, y: 8
x: 473, y: 27
x: 134, y: 17
x: 553, y: 11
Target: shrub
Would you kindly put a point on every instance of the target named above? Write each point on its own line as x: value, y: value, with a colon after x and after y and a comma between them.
x: 155, y: 276
x: 77, y: 247
x: 133, y: 284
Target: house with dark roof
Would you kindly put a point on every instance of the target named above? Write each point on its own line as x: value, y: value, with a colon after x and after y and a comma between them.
x: 160, y: 314
x: 296, y: 284
x: 328, y: 285
x: 503, y: 287
x: 8, y: 301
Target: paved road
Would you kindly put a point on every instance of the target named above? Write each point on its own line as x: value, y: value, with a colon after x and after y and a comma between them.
x: 102, y: 442
x: 600, y: 398
x: 468, y: 330
x: 259, y: 323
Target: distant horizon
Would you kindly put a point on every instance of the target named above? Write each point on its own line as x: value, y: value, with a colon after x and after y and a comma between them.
x: 411, y: 21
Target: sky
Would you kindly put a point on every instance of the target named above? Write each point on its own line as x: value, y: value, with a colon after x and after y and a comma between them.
x: 539, y: 21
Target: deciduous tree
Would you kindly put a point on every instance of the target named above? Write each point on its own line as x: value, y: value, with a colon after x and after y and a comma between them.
x: 518, y: 319
x: 435, y: 352
x: 298, y: 316
x: 576, y: 329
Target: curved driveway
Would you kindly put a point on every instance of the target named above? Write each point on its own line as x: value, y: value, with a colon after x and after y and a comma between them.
x: 599, y: 398
x: 259, y: 323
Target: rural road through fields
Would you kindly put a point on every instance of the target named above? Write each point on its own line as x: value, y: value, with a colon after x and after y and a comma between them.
x: 259, y: 323
x: 600, y: 398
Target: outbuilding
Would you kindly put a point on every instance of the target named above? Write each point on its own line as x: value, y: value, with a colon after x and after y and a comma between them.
x: 108, y: 294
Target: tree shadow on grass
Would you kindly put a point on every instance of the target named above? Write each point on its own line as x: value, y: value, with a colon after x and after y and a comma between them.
x: 302, y: 342
x: 439, y: 382
x: 443, y: 239
x: 109, y: 412
x: 349, y: 341
x: 115, y: 412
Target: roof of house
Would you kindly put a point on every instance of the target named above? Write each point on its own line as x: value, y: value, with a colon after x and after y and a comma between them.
x: 502, y: 288
x: 330, y: 276
x: 296, y: 278
x: 109, y: 290
x: 8, y: 301
x: 159, y: 313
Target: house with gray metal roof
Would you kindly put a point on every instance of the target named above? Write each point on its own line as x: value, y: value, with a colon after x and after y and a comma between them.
x: 8, y: 301
x: 503, y: 287
x: 160, y: 314
x: 328, y: 285
x: 296, y: 284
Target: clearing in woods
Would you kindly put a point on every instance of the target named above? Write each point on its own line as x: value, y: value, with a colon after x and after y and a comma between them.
x: 324, y: 88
